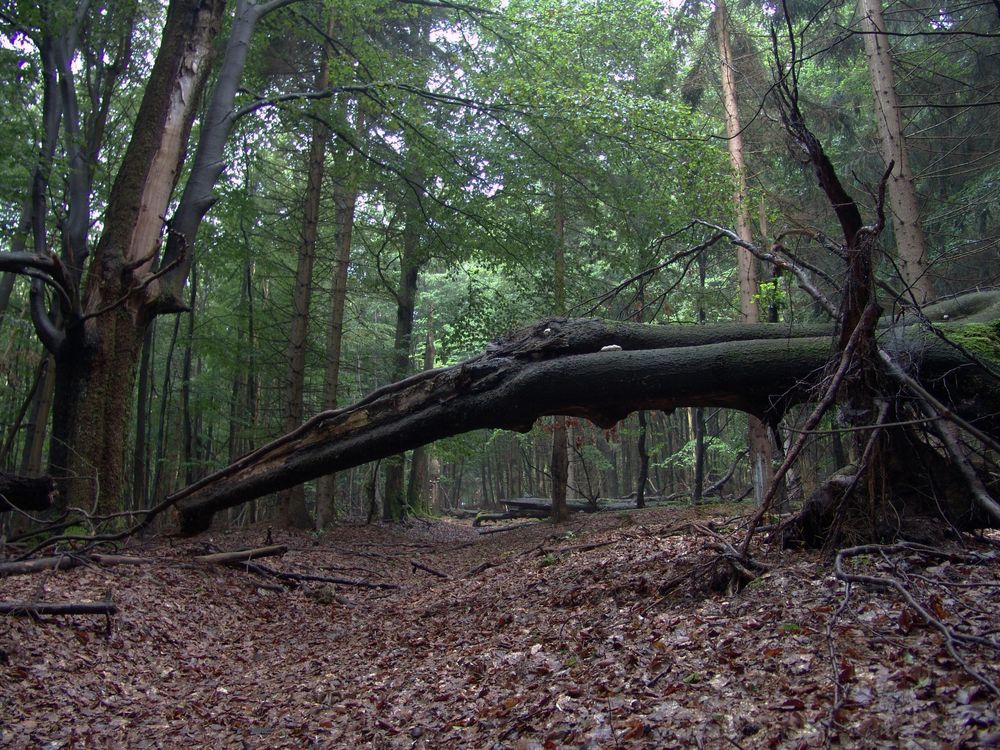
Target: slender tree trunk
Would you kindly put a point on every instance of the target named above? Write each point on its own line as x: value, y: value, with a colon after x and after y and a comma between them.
x: 345, y: 199
x: 640, y: 492
x: 35, y: 429
x: 418, y: 490
x: 292, y: 507
x: 758, y: 439
x: 187, y: 419
x: 140, y: 451
x: 910, y: 246
x: 6, y: 288
x: 559, y: 465
x: 159, y: 457
x: 394, y: 501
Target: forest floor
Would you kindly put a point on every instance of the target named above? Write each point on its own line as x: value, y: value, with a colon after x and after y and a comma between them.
x: 593, y: 634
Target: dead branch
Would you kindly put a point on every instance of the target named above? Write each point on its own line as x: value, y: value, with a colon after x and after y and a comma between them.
x: 284, y: 576
x: 34, y: 609
x: 950, y: 636
x: 25, y: 567
x: 241, y: 556
x: 420, y: 566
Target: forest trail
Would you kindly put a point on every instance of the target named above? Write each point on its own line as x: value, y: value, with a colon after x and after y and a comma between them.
x: 571, y: 637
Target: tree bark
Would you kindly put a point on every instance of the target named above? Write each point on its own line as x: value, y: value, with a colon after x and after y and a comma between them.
x: 558, y: 367
x: 394, y: 497
x: 910, y: 246
x: 292, y: 503
x: 757, y: 435
x: 559, y: 463
x: 97, y: 353
x: 345, y: 197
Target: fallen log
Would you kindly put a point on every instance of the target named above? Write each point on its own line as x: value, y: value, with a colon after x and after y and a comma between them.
x: 262, y: 570
x: 25, y: 567
x: 427, y: 569
x: 26, y: 493
x: 592, y: 369
x: 34, y: 609
x: 509, y: 515
x: 544, y: 505
x: 242, y: 556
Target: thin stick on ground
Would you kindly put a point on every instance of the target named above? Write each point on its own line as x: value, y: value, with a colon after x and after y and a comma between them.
x: 949, y: 635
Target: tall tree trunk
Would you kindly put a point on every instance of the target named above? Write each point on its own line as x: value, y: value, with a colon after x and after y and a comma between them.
x: 38, y: 420
x: 159, y: 456
x: 758, y: 438
x: 345, y: 195
x: 97, y: 352
x: 418, y: 490
x: 559, y: 464
x: 696, y: 424
x: 640, y: 490
x: 910, y: 246
x: 187, y: 419
x: 292, y: 504
x: 394, y: 500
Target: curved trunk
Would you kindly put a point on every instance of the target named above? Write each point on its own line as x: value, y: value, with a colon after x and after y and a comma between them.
x: 558, y: 367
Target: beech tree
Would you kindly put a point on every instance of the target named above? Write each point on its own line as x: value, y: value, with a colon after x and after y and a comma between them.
x: 108, y: 291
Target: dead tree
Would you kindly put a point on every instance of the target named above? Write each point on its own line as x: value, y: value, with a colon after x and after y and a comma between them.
x: 563, y: 366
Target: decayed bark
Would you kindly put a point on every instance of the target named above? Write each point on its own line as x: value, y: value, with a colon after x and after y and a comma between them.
x: 244, y: 555
x: 558, y: 367
x: 25, y: 493
x: 33, y: 609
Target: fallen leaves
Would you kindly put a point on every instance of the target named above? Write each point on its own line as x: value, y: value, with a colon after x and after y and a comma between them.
x: 587, y: 651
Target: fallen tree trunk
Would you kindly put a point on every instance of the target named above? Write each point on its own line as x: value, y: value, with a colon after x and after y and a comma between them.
x: 243, y: 555
x: 544, y: 505
x: 592, y: 369
x: 509, y: 515
x: 25, y: 493
x: 34, y: 609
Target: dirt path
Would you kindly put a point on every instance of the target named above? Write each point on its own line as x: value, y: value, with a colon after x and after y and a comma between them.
x: 564, y: 638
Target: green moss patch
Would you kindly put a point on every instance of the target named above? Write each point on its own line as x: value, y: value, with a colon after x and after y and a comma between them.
x: 982, y: 339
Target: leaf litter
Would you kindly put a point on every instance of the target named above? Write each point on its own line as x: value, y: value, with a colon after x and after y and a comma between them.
x: 587, y: 635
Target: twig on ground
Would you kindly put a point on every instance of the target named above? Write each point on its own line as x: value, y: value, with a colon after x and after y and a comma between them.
x: 420, y: 566
x: 951, y: 637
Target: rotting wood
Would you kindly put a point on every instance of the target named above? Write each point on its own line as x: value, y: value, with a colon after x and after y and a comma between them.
x: 508, y: 515
x: 34, y: 609
x: 240, y: 556
x: 479, y: 569
x: 55, y: 562
x: 106, y: 559
x: 26, y: 493
x: 558, y: 367
x: 502, y: 529
x: 282, y: 575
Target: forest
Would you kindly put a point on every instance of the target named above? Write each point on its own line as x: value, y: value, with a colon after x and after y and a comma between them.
x: 603, y: 374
